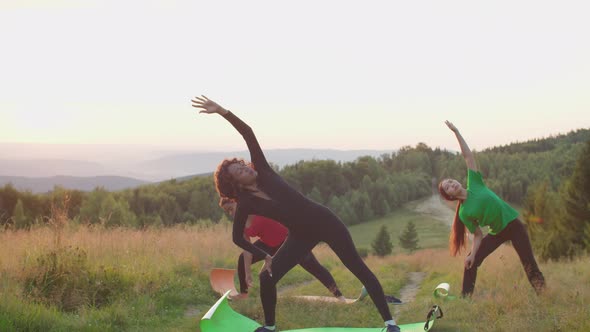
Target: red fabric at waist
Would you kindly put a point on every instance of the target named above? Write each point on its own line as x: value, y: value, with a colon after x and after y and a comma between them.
x: 270, y: 232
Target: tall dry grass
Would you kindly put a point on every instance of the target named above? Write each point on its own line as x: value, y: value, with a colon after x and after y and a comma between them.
x: 72, y: 277
x: 503, y: 299
x: 138, y: 251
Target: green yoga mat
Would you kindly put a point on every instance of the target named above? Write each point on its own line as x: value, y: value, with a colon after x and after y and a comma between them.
x: 222, y: 318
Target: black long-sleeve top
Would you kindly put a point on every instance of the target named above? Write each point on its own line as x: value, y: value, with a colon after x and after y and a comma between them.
x: 287, y: 205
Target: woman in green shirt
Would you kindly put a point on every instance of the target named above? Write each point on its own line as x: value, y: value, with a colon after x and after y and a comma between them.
x: 478, y: 206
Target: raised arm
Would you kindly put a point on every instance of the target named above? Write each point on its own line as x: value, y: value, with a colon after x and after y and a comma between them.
x: 256, y: 155
x: 465, y: 151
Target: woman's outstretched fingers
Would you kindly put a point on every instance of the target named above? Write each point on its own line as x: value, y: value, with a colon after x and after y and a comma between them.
x: 197, y: 102
x: 207, y: 105
x: 450, y: 125
x: 204, y: 104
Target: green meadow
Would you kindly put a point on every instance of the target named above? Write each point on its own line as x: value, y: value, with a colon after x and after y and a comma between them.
x: 77, y: 278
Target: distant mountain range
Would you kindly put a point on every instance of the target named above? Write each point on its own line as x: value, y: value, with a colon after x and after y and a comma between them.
x: 45, y: 184
x: 85, y: 167
x: 51, y: 167
x: 206, y: 162
x: 41, y: 175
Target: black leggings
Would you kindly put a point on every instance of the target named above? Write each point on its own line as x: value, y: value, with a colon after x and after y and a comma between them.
x: 309, y: 263
x: 516, y: 233
x: 297, y: 247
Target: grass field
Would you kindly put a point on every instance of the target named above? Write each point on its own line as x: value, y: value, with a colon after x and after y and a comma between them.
x: 157, y: 280
x: 432, y: 233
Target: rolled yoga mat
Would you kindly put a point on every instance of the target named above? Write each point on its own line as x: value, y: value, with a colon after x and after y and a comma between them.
x: 442, y: 292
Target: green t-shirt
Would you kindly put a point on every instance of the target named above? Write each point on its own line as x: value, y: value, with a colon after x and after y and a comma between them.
x: 484, y: 207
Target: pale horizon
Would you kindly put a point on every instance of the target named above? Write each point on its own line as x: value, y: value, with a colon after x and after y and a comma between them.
x: 329, y: 75
x: 167, y: 150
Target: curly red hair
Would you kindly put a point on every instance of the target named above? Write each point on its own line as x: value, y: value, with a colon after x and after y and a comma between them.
x: 225, y: 184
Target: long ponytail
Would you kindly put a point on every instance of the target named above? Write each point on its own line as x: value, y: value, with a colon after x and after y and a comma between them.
x: 458, y: 237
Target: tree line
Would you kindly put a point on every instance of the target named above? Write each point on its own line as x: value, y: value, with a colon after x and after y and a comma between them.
x: 537, y: 174
x: 559, y: 218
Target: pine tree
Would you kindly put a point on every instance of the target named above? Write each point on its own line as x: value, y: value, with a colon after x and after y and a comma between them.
x: 362, y: 205
x: 409, y: 238
x: 577, y: 199
x: 544, y: 215
x: 382, y: 245
x: 316, y: 196
x: 19, y: 218
x: 382, y: 207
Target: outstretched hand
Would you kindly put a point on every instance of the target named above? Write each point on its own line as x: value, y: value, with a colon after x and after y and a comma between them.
x: 267, y: 265
x: 451, y: 126
x: 249, y: 281
x: 207, y: 105
x: 469, y: 261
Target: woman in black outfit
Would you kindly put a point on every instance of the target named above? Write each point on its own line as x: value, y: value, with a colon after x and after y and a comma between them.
x: 271, y: 235
x: 259, y: 190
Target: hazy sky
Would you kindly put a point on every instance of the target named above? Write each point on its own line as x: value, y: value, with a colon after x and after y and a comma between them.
x: 315, y: 74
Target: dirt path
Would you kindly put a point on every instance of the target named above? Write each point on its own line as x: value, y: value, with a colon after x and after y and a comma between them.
x: 409, y: 291
x: 436, y: 208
